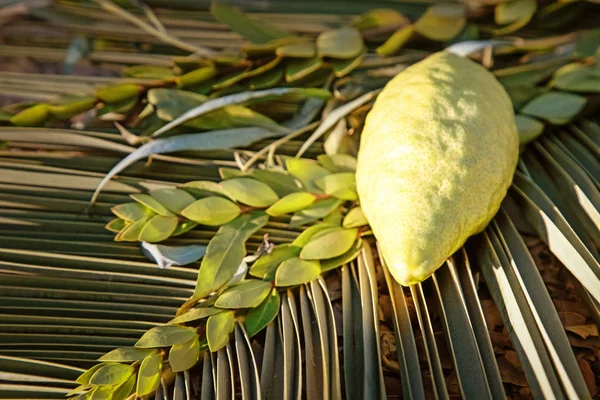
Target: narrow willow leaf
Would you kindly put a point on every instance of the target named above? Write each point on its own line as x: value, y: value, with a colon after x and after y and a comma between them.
x: 151, y: 203
x: 442, y: 21
x: 343, y: 67
x: 184, y: 356
x: 131, y: 211
x: 149, y: 375
x: 116, y: 225
x: 250, y: 29
x: 291, y: 203
x: 72, y: 108
x: 307, y: 171
x: 117, y: 93
x: 263, y: 68
x: 218, y: 329
x: 126, y: 354
x: 259, y: 317
x: 148, y: 72
x: 158, y: 228
x: 247, y: 294
x: 332, y: 263
x: 226, y: 251
x: 555, y: 107
x: 85, y: 377
x: 195, y: 77
x: 195, y: 314
x: 201, y: 189
x: 250, y: 191
x: 124, y: 390
x: 111, y: 374
x: 341, y: 185
x: 266, y: 266
x: 338, y: 162
x: 301, y: 68
x: 318, y: 210
x: 295, y: 271
x: 212, y: 211
x: 328, y: 244
x: 173, y: 199
x: 529, y: 128
x: 344, y: 42
x: 355, y: 218
x: 238, y: 98
x: 297, y: 50
x: 166, y: 256
x: 396, y: 41
x: 165, y: 336
x: 215, y: 140
x: 309, y: 232
x: 132, y: 231
x: 267, y: 80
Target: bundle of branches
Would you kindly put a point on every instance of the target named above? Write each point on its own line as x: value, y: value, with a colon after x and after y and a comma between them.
x: 179, y: 215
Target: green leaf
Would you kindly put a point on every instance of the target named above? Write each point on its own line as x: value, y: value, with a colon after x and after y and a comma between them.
x: 131, y: 211
x: 267, y: 80
x: 112, y: 374
x: 132, y: 231
x: 331, y: 263
x: 328, y: 244
x: 280, y: 181
x: 196, y: 77
x: 148, y: 72
x: 529, y: 128
x: 124, y: 390
x: 307, y: 171
x: 396, y: 41
x: 342, y: 67
x: 101, y: 393
x: 341, y: 185
x: 259, y: 317
x: 85, y: 377
x: 355, y: 218
x: 517, y: 13
x: 218, y: 328
x: 184, y: 356
x: 577, y: 78
x: 195, y: 314
x: 291, y: 203
x: 32, y: 116
x: 183, y: 227
x: 165, y: 336
x: 226, y: 251
x: 149, y: 375
x: 250, y: 29
x: 117, y: 93
x: 378, y: 18
x: 266, y: 266
x: 247, y: 294
x: 116, y: 225
x: 300, y: 68
x: 308, y: 233
x: 71, y: 108
x: 126, y: 354
x: 344, y: 42
x: 296, y: 271
x: 555, y: 107
x: 297, y: 50
x: 173, y: 199
x: 159, y: 228
x: 250, y: 191
x: 212, y: 211
x: 587, y: 43
x: 442, y: 21
x: 201, y: 189
x: 318, y: 210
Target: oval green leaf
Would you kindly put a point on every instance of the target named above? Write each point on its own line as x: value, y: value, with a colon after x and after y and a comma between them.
x: 151, y: 203
x: 126, y: 354
x: 250, y: 191
x: 218, y: 328
x: 111, y: 374
x: 296, y: 271
x: 329, y: 244
x: 442, y: 21
x: 173, y: 199
x: 212, y: 211
x: 247, y: 294
x: 338, y: 162
x: 341, y: 185
x: 149, y: 375
x: 291, y: 203
x: 355, y: 218
x: 266, y: 266
x: 131, y: 211
x: 165, y: 336
x: 124, y: 390
x: 184, y: 356
x: 159, y: 228
x: 344, y: 42
x: 195, y: 314
x: 259, y: 317
x: 555, y: 107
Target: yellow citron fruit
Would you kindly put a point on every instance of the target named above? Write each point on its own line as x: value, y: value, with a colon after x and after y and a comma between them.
x: 437, y: 155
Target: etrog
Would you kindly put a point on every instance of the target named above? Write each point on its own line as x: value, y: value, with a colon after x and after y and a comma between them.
x: 437, y: 155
